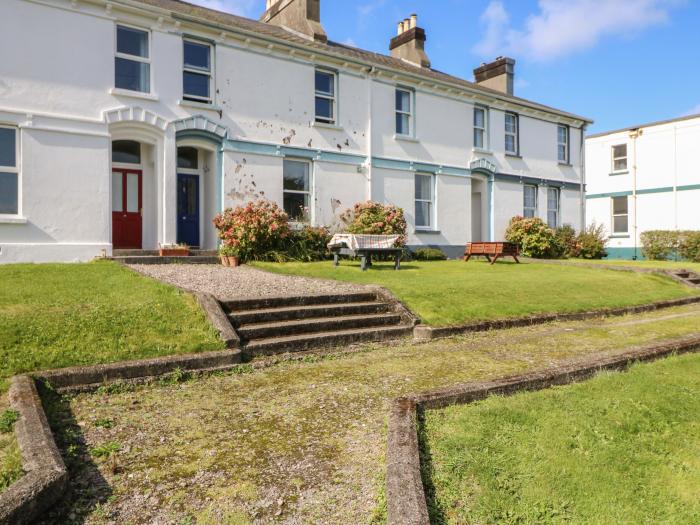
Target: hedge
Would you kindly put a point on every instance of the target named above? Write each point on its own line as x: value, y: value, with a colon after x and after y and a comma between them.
x: 660, y: 245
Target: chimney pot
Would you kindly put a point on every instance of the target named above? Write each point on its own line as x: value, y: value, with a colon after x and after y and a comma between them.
x: 414, y: 21
x: 409, y: 44
x: 400, y: 29
x: 498, y: 75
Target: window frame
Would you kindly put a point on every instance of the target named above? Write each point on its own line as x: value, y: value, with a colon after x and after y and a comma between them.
x: 537, y: 200
x: 515, y: 134
x: 16, y: 170
x: 614, y: 158
x: 134, y: 58
x: 614, y: 215
x: 566, y: 144
x: 198, y: 71
x: 411, y: 98
x: 556, y: 210
x: 310, y: 192
x: 485, y: 135
x: 333, y: 98
x: 431, y: 201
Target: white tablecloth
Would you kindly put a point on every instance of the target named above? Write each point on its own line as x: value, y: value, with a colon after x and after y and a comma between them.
x: 363, y: 242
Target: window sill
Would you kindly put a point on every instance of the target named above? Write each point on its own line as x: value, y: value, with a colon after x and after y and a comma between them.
x: 612, y: 174
x: 514, y: 155
x: 12, y: 219
x: 118, y: 92
x: 427, y: 231
x: 406, y: 138
x: 198, y: 105
x: 620, y: 236
x: 566, y: 164
x: 326, y: 125
x: 482, y: 150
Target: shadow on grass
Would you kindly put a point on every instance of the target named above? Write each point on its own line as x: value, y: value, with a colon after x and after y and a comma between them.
x: 435, y: 510
x: 87, y: 488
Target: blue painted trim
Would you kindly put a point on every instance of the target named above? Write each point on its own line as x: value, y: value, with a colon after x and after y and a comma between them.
x: 646, y: 191
x: 522, y: 179
x: 407, y: 165
x: 489, y: 207
x: 624, y: 253
x: 257, y: 148
x: 199, y: 134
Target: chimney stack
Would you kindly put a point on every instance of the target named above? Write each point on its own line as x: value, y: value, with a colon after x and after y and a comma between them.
x: 409, y: 44
x: 498, y: 75
x: 299, y: 16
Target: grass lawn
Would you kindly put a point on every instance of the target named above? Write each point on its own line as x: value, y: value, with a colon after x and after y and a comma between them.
x: 297, y: 442
x: 660, y: 265
x: 58, y: 315
x: 452, y: 292
x: 622, y: 448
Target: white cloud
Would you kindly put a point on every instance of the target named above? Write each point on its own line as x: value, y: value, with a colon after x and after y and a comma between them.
x: 237, y: 7
x: 350, y: 42
x: 563, y: 27
x: 368, y: 8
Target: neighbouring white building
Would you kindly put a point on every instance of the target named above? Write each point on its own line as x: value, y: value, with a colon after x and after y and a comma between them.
x: 643, y: 178
x: 131, y: 123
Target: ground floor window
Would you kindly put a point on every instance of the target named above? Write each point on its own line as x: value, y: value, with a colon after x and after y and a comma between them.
x: 425, y: 200
x: 620, y: 215
x: 553, y: 207
x: 297, y: 190
x: 529, y: 201
x: 9, y: 171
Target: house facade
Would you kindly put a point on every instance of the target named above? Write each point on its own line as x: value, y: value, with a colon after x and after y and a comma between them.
x: 643, y: 178
x: 127, y: 124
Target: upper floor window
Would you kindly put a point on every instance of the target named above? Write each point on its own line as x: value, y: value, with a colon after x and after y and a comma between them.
x: 197, y: 72
x: 297, y: 190
x: 619, y: 157
x: 9, y: 172
x: 126, y: 151
x: 187, y: 158
x: 563, y: 144
x: 512, y: 133
x: 404, y: 112
x: 620, y: 215
x: 132, y: 65
x: 553, y: 207
x: 480, y: 122
x: 529, y: 201
x: 325, y: 96
x: 425, y: 200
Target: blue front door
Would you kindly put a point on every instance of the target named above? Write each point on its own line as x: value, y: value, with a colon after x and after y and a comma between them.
x: 188, y: 209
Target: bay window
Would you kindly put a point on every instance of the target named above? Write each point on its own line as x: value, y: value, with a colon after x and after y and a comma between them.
x: 297, y: 190
x: 9, y: 171
x: 425, y: 201
x: 529, y: 201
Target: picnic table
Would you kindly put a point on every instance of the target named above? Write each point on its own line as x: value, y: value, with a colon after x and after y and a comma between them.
x: 492, y: 249
x: 364, y: 247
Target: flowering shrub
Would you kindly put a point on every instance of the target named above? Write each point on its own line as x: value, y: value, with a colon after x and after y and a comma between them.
x: 590, y: 243
x: 375, y: 218
x: 535, y: 238
x: 661, y: 245
x: 253, y: 231
x: 309, y: 244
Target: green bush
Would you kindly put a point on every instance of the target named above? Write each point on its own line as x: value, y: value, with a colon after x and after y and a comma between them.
x: 689, y: 248
x: 429, y: 254
x: 534, y: 237
x: 590, y: 243
x: 566, y: 237
x: 309, y: 244
x: 374, y: 218
x: 660, y: 245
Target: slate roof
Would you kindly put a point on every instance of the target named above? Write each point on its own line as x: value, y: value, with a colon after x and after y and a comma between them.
x: 178, y: 7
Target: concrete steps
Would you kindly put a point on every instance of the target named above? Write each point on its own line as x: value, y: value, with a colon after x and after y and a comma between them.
x: 269, y: 326
x: 688, y: 277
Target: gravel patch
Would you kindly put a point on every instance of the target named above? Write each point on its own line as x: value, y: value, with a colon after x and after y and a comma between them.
x: 243, y: 282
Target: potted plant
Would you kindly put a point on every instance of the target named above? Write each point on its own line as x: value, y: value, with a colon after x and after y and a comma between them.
x: 174, y: 250
x: 229, y: 256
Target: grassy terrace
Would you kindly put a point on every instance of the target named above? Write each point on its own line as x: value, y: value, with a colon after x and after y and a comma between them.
x: 452, y: 292
x: 54, y: 315
x: 658, y: 265
x: 296, y: 442
x: 621, y: 448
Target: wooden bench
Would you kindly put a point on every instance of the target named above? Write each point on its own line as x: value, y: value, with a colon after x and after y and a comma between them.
x: 365, y: 255
x: 492, y: 249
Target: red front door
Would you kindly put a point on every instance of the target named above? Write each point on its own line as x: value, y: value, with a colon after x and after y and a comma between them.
x: 126, y: 208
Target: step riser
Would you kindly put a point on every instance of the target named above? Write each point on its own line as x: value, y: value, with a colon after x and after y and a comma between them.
x: 282, y: 302
x: 252, y: 334
x: 241, y: 319
x: 267, y: 349
x: 167, y: 260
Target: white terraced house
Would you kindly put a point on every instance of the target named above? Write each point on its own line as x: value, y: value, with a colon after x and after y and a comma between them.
x: 643, y: 178
x: 127, y: 124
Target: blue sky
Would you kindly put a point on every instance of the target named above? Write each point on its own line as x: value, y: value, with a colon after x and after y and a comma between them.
x: 619, y: 62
